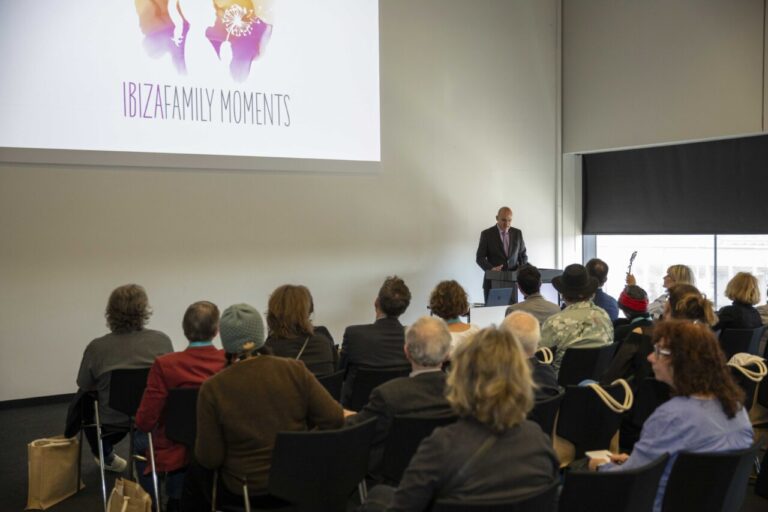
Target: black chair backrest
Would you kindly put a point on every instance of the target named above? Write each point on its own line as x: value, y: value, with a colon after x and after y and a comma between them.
x: 615, y: 491
x: 709, y: 482
x: 181, y: 415
x: 584, y: 363
x: 366, y: 379
x: 748, y: 385
x: 734, y: 341
x: 333, y: 383
x: 543, y: 501
x: 586, y: 421
x: 405, y: 435
x: 318, y: 470
x: 762, y: 392
x: 126, y: 387
x: 544, y: 412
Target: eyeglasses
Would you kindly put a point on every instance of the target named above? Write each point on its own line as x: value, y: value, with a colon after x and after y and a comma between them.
x: 658, y: 351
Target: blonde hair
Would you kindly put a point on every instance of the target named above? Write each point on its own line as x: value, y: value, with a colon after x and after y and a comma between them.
x: 682, y: 274
x: 490, y: 380
x: 743, y: 287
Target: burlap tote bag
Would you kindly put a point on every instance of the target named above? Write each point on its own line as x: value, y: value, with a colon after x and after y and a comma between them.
x: 52, y: 471
x: 128, y: 496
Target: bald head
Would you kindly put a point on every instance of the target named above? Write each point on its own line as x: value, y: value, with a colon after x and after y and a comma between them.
x: 525, y: 327
x: 504, y: 218
x: 428, y: 341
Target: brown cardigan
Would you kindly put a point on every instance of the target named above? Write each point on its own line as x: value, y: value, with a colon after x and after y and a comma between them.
x: 241, y: 409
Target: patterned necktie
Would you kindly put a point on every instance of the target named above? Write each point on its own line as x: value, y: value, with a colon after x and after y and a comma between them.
x: 505, y: 239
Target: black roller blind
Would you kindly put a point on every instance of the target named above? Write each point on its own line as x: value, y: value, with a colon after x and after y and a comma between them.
x: 716, y: 187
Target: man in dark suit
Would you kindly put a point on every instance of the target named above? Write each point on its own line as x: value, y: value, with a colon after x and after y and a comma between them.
x: 501, y: 247
x: 427, y: 345
x: 525, y: 327
x: 380, y: 344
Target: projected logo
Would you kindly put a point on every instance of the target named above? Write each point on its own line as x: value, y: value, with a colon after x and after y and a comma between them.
x: 203, y: 35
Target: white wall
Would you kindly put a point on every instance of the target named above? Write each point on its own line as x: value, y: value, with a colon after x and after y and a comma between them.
x: 639, y: 72
x: 468, y: 124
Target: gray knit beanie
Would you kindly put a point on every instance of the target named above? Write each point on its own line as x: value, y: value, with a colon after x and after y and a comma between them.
x: 240, y: 324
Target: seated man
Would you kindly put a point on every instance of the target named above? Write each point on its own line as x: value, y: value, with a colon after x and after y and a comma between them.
x: 186, y: 369
x: 581, y: 324
x: 525, y: 327
x: 598, y: 269
x: 529, y: 284
x: 241, y: 409
x: 379, y: 344
x: 128, y: 345
x: 427, y: 345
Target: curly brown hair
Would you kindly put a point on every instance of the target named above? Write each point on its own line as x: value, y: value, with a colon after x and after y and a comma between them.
x: 127, y: 309
x: 698, y: 364
x: 288, y: 312
x: 448, y: 300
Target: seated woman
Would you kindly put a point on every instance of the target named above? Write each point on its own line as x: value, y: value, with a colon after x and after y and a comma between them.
x: 492, y: 454
x: 240, y: 411
x: 676, y: 274
x: 291, y: 333
x: 743, y: 290
x: 449, y: 301
x: 705, y: 414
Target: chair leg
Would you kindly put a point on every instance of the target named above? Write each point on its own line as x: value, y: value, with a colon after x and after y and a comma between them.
x: 362, y: 490
x: 213, y: 490
x: 246, y: 498
x: 101, y: 456
x: 79, y: 461
x: 155, y: 487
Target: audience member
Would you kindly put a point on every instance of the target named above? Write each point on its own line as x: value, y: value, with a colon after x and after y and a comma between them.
x: 598, y: 269
x: 633, y: 302
x: 581, y: 324
x: 449, y: 301
x: 705, y: 414
x: 241, y: 409
x: 676, y: 274
x: 744, y: 291
x: 529, y: 284
x: 128, y: 345
x: 291, y: 333
x: 492, y: 454
x: 525, y: 327
x: 380, y: 344
x: 186, y: 369
x: 427, y: 345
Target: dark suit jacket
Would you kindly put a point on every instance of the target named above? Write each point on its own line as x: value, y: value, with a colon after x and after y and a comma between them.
x: 490, y: 251
x: 738, y: 316
x: 422, y: 395
x: 378, y: 345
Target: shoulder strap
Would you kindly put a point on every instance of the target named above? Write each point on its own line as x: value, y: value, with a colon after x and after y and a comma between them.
x: 611, y: 402
x: 298, y: 356
x: 460, y: 475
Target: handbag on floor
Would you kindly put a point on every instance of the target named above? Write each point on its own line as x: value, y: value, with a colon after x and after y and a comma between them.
x: 128, y: 496
x: 53, y: 471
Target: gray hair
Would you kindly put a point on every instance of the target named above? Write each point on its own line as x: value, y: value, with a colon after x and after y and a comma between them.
x: 525, y: 327
x: 428, y: 341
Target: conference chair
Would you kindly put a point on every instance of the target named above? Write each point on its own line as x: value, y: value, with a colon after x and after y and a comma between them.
x: 405, y: 435
x: 649, y: 395
x: 709, y: 482
x: 579, y: 364
x: 619, y: 491
x: 589, y: 419
x: 333, y: 383
x: 735, y: 341
x: 366, y: 379
x: 126, y: 387
x: 544, y: 413
x: 543, y: 501
x: 318, y: 471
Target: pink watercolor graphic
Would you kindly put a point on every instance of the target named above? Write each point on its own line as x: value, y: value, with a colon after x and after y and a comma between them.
x: 198, y: 32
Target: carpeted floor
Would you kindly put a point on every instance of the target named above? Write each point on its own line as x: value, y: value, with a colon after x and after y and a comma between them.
x: 20, y: 425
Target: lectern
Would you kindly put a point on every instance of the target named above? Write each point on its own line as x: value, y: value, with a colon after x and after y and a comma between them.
x: 507, y: 279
